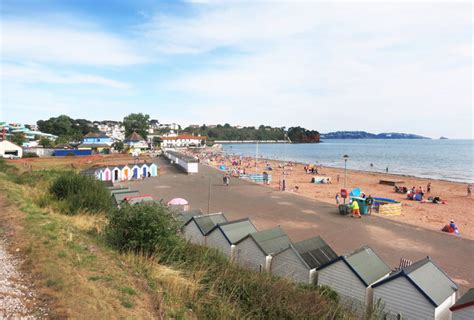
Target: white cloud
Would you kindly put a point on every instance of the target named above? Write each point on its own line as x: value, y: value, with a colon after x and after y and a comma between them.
x: 81, y: 44
x: 293, y: 64
x: 34, y: 73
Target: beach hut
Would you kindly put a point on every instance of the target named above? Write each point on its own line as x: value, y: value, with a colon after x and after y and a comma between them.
x: 116, y: 173
x: 352, y: 275
x: 118, y: 197
x: 106, y: 174
x: 153, y: 168
x: 144, y: 170
x: 184, y: 216
x: 418, y: 291
x: 464, y: 308
x: 95, y: 172
x: 126, y: 173
x: 135, y: 171
x: 223, y: 236
x: 299, y: 261
x: 138, y: 199
x: 195, y: 230
x: 254, y: 251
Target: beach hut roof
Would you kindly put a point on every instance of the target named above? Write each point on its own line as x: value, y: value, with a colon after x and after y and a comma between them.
x: 467, y: 300
x: 139, y: 199
x: 185, y: 216
x: 427, y: 278
x: 315, y: 252
x: 119, y: 190
x: 236, y: 230
x: 119, y: 197
x: 270, y: 241
x: 365, y: 264
x: 207, y: 222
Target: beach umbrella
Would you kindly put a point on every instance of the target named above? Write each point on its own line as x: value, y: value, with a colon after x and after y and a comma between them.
x: 177, y: 202
x: 355, y: 192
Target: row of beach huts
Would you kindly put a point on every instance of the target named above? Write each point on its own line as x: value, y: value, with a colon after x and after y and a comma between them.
x: 412, y: 290
x: 117, y: 173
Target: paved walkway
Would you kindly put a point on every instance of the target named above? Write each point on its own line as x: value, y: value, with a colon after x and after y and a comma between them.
x: 302, y: 218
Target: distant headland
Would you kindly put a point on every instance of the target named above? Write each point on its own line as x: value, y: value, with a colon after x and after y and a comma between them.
x: 368, y: 135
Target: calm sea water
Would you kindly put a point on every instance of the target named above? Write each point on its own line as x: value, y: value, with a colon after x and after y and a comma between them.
x: 438, y: 159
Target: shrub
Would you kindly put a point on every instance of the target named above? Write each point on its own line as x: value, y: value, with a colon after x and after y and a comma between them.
x: 80, y: 193
x: 30, y: 155
x: 144, y: 227
x: 70, y: 154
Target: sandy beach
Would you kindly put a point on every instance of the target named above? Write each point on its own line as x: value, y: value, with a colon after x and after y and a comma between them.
x: 459, y: 206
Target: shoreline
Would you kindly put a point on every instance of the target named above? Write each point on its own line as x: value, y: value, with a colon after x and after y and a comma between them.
x: 425, y: 215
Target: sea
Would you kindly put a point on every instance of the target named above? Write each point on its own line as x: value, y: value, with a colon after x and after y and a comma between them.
x: 451, y: 160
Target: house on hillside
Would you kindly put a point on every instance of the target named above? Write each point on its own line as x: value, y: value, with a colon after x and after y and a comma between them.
x: 352, y: 275
x: 182, y: 141
x: 419, y: 291
x: 255, y: 250
x: 463, y: 309
x: 195, y: 230
x: 9, y: 149
x: 223, y: 236
x: 97, y: 142
x: 299, y: 261
x: 135, y: 144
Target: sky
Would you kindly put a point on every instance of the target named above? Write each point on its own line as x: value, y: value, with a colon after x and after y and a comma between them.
x: 327, y: 66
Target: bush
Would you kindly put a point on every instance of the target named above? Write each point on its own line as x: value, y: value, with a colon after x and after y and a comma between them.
x: 70, y: 154
x: 30, y: 155
x: 81, y: 193
x: 146, y: 228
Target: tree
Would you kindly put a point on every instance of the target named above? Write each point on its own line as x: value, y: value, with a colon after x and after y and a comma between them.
x: 137, y: 122
x: 157, y: 141
x: 45, y: 142
x: 118, y: 145
x: 18, y: 139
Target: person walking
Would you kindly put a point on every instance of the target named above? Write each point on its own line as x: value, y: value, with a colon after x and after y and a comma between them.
x: 355, y: 209
x: 428, y: 187
x: 265, y: 178
x: 338, y: 201
x: 386, y: 169
x: 369, y: 201
x: 469, y: 189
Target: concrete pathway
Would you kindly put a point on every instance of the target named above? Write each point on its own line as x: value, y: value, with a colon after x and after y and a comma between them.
x: 302, y: 218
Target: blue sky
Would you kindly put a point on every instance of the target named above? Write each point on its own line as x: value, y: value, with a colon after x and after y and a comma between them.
x: 378, y: 67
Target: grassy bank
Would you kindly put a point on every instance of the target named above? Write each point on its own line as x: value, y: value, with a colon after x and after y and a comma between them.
x: 86, y: 275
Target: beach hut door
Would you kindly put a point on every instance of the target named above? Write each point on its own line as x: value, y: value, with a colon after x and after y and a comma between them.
x: 116, y: 175
x: 144, y: 171
x: 135, y: 173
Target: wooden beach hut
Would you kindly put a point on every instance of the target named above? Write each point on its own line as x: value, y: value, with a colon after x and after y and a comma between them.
x: 419, y: 291
x: 106, y: 174
x: 126, y: 173
x: 144, y: 170
x: 255, y: 250
x: 463, y: 309
x: 299, y: 261
x: 118, y: 197
x: 135, y: 171
x: 116, y: 173
x: 195, y: 230
x: 352, y: 275
x: 184, y: 216
x: 223, y: 236
x: 153, y: 168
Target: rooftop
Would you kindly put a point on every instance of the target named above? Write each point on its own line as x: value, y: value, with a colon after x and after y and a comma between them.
x: 367, y: 264
x: 466, y: 300
x: 315, y: 252
x: 207, y: 222
x: 271, y: 240
x: 236, y: 230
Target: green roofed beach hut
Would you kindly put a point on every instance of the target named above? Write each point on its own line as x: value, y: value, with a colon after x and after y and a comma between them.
x: 419, y: 291
x: 195, y: 230
x: 185, y: 216
x: 352, y: 275
x: 256, y: 249
x: 300, y: 260
x: 118, y: 197
x: 463, y: 309
x: 223, y: 236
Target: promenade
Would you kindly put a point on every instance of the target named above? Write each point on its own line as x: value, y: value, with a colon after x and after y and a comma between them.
x: 302, y: 218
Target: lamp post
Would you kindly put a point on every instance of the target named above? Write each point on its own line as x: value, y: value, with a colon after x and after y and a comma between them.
x: 345, y: 157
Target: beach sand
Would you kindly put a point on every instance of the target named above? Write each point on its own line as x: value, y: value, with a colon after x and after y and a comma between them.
x: 459, y: 207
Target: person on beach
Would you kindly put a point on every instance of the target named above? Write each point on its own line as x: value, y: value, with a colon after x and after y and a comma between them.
x: 386, y: 170
x: 469, y: 189
x: 337, y: 179
x: 428, y: 187
x: 338, y: 201
x: 355, y: 209
x: 369, y: 201
x: 265, y: 177
x: 226, y: 180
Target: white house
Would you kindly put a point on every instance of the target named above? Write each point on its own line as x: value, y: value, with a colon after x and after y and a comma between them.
x: 255, y: 250
x: 8, y: 149
x: 182, y: 140
x: 135, y: 144
x: 195, y: 230
x: 223, y: 236
x: 352, y: 275
x: 419, y: 291
x: 299, y: 261
x: 464, y: 308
